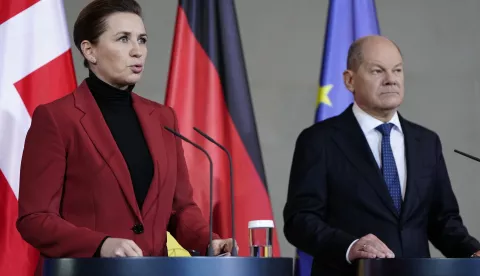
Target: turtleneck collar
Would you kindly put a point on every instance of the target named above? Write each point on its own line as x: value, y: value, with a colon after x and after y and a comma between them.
x: 104, y: 93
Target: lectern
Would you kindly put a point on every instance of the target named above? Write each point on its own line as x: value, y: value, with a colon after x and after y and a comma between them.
x: 419, y: 267
x: 171, y: 266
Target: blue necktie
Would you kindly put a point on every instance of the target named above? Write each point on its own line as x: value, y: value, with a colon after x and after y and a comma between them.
x: 389, y: 167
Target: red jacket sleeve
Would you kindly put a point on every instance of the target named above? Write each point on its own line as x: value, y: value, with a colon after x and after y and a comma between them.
x: 42, y: 176
x: 190, y: 229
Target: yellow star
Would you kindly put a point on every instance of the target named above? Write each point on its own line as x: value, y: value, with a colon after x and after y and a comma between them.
x: 323, y: 95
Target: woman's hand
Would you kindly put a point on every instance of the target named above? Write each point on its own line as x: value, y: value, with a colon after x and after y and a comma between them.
x: 113, y: 247
x: 223, y: 247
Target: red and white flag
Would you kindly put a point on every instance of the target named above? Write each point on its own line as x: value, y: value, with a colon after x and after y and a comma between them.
x: 35, y: 67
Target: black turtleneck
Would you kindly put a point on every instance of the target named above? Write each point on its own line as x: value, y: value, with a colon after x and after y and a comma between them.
x: 119, y: 114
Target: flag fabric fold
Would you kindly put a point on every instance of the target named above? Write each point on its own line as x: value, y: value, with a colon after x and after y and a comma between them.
x: 36, y: 67
x: 347, y: 21
x: 208, y: 88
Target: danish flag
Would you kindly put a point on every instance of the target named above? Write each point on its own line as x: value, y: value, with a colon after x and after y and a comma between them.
x: 35, y: 68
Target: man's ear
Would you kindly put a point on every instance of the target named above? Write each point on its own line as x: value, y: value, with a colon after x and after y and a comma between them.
x: 348, y: 79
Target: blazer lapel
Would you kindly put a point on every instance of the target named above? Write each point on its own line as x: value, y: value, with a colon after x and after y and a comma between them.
x: 98, y: 131
x: 152, y: 131
x: 354, y: 145
x: 412, y: 147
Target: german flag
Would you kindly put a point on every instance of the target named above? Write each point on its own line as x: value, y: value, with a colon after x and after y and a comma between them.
x: 208, y: 88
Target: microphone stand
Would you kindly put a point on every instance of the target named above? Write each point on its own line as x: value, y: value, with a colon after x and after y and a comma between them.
x: 210, y: 247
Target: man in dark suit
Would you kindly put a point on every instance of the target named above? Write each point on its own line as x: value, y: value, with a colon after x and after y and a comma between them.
x: 368, y: 183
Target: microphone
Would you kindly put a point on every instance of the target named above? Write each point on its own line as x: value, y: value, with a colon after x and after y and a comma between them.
x: 234, y: 249
x: 210, y: 230
x: 467, y: 155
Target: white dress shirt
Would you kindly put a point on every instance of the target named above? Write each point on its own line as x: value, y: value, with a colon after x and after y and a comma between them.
x: 368, y: 124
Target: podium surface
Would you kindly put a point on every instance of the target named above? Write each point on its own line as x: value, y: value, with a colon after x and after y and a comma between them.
x: 171, y: 266
x: 419, y: 267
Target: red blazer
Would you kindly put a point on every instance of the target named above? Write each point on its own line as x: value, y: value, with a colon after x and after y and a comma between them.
x: 75, y: 186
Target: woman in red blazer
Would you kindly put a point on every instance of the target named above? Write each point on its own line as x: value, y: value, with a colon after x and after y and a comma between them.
x: 100, y: 176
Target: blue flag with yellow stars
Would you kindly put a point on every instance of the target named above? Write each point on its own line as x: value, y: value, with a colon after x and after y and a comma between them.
x: 347, y: 21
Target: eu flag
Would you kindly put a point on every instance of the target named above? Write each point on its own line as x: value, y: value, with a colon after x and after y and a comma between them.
x: 348, y: 20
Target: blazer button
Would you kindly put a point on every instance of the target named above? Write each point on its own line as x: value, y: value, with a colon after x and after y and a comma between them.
x: 137, y: 228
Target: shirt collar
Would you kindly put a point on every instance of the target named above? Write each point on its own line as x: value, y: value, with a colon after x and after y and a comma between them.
x: 368, y: 122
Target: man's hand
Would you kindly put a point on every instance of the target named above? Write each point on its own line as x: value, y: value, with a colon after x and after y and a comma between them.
x: 113, y: 247
x: 223, y: 247
x: 476, y: 254
x: 369, y: 247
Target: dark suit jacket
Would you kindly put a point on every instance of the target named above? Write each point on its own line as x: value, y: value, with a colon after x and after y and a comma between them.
x: 75, y: 186
x: 337, y: 194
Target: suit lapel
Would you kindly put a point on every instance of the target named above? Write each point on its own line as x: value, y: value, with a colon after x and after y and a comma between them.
x: 152, y: 130
x: 100, y: 135
x: 412, y: 147
x: 354, y: 145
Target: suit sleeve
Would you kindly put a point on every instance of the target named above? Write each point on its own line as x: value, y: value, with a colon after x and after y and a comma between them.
x: 305, y: 211
x: 42, y: 176
x: 189, y: 227
x: 445, y: 228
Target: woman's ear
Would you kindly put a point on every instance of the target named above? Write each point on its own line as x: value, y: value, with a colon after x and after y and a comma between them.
x: 88, y: 51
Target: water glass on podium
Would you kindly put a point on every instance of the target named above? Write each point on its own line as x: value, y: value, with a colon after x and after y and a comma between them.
x: 260, y: 234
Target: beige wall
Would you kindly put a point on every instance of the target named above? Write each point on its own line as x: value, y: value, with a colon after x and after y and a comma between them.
x: 283, y: 42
